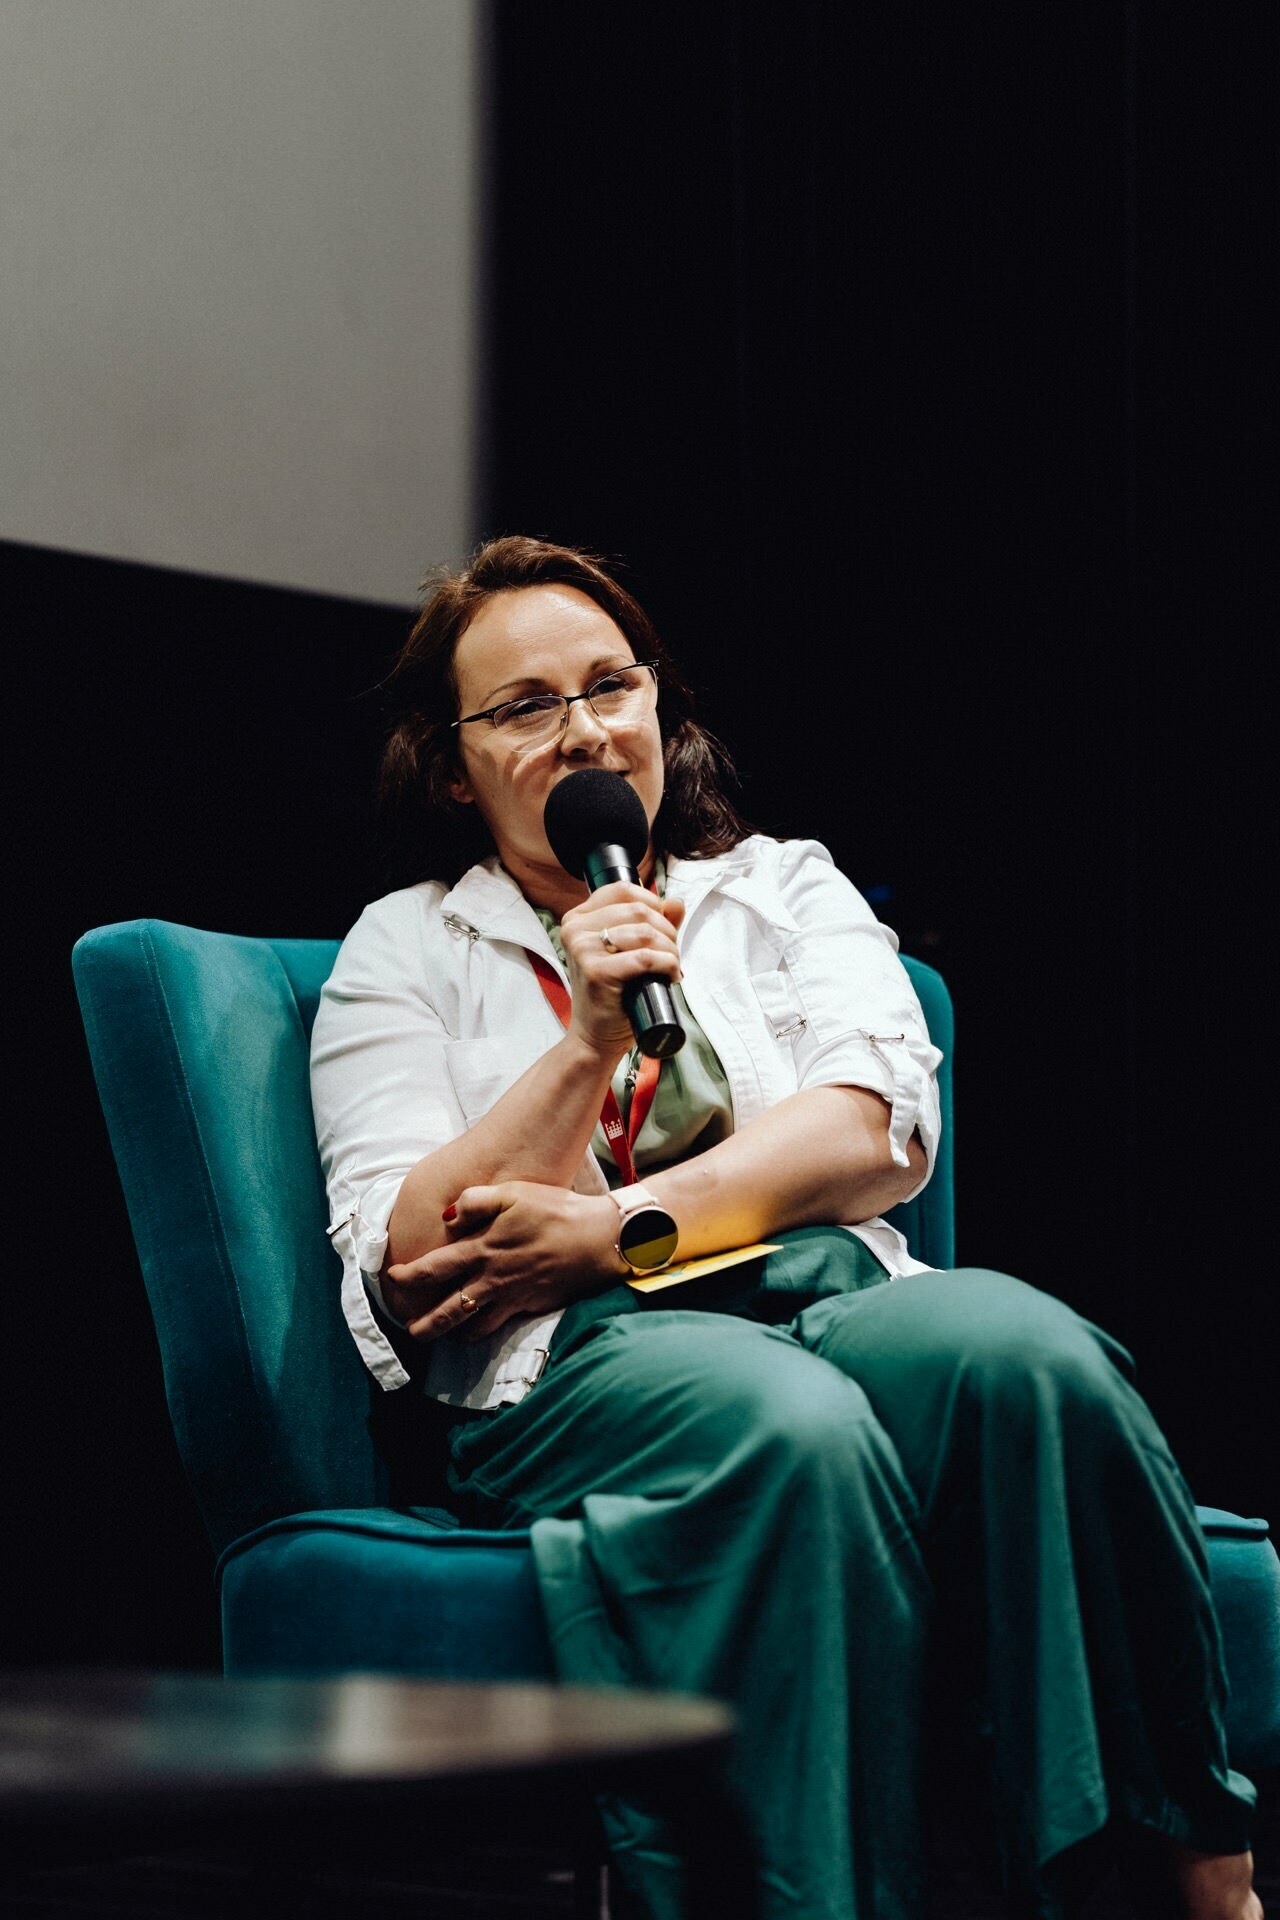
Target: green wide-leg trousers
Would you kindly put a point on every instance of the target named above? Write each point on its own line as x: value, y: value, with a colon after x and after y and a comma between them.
x: 783, y: 1494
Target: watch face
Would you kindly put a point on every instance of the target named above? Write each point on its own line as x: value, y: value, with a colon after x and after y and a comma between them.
x: 648, y: 1239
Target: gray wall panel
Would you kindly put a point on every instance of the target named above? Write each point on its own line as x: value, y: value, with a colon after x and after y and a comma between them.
x: 236, y: 310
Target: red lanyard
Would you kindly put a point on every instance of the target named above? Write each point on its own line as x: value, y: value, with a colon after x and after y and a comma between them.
x: 621, y: 1139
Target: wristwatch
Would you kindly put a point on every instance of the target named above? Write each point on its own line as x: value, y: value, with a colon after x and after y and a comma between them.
x: 647, y: 1235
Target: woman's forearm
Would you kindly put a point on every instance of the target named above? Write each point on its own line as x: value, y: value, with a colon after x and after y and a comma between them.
x: 539, y: 1130
x: 818, y: 1157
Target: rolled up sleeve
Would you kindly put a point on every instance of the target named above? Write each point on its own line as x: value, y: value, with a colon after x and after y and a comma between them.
x: 862, y: 1022
x: 382, y: 1099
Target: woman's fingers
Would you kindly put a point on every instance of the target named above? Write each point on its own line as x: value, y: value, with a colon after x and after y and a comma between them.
x: 618, y: 893
x: 460, y: 1288
x: 475, y: 1207
x: 601, y: 936
x: 585, y: 942
x: 628, y: 938
x: 620, y: 934
x: 454, y: 1314
x: 441, y: 1269
x: 526, y: 1239
x: 635, y: 944
x: 487, y: 1320
x: 456, y: 1274
x: 624, y: 905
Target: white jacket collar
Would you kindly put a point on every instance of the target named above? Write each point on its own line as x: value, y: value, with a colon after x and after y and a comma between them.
x: 487, y: 901
x: 692, y: 880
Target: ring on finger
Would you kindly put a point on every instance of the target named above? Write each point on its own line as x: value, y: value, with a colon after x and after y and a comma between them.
x: 607, y: 941
x: 472, y: 1306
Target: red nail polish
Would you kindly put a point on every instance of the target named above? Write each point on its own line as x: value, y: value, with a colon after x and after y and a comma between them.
x: 450, y: 1213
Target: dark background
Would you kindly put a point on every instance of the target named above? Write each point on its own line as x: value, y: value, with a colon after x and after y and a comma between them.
x: 922, y: 367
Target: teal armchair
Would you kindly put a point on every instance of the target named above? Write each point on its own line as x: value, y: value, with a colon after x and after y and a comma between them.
x: 328, y: 1559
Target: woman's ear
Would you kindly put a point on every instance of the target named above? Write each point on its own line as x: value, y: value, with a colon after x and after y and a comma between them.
x: 460, y: 790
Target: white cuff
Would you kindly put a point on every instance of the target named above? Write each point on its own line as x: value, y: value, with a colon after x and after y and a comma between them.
x: 899, y: 1066
x: 911, y: 1063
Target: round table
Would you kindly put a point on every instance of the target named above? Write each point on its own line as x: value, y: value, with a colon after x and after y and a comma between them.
x: 292, y: 1768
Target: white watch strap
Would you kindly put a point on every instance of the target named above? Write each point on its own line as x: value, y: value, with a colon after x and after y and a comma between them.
x: 629, y: 1200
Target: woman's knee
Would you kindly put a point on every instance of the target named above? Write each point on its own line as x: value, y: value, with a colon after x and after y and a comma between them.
x: 791, y: 1399
x: 801, y: 1422
x: 820, y: 1452
x: 723, y: 1383
x: 1012, y: 1339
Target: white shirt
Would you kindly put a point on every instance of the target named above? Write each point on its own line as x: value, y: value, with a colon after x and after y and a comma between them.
x: 432, y: 1011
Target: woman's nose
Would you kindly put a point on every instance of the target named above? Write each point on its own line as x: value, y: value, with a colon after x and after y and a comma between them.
x: 583, y: 728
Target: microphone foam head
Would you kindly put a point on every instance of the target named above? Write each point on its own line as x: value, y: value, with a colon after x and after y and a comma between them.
x: 591, y: 809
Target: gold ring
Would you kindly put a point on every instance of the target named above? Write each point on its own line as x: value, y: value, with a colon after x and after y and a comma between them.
x: 472, y: 1306
x: 606, y: 939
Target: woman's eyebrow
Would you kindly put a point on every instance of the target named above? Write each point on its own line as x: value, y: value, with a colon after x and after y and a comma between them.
x: 533, y: 680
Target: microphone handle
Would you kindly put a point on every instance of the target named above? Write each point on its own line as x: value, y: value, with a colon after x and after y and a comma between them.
x: 649, y: 1002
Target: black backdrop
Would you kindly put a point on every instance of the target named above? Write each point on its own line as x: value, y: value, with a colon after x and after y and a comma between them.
x: 920, y: 363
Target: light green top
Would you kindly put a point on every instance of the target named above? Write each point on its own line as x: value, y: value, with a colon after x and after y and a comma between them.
x: 692, y: 1108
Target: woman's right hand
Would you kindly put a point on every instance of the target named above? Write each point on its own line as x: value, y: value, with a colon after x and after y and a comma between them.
x: 643, y: 929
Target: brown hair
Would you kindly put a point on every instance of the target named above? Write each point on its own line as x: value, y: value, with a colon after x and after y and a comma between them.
x: 429, y: 834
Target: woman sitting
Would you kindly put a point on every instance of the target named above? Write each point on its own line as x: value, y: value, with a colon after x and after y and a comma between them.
x: 780, y: 1484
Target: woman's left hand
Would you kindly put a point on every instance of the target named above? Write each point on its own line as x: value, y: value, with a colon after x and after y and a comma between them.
x: 516, y: 1247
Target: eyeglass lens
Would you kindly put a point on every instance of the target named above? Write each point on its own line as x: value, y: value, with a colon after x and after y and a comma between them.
x: 615, y: 698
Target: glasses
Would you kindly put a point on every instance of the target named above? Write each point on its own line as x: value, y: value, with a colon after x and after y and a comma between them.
x: 618, y: 698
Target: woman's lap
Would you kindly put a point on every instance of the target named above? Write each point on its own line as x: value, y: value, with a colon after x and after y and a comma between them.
x: 974, y: 1455
x: 819, y: 1344
x: 655, y: 1404
x: 715, y: 1509
x: 641, y: 1397
x: 937, y: 1353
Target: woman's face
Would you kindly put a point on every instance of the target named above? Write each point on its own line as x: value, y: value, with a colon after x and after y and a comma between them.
x: 545, y: 639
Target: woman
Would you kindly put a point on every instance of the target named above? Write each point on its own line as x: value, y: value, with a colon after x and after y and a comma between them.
x: 780, y: 1485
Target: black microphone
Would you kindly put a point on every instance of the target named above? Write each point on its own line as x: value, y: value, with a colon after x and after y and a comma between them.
x: 598, y: 831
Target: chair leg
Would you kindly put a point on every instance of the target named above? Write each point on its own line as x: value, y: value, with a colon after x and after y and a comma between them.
x: 591, y: 1889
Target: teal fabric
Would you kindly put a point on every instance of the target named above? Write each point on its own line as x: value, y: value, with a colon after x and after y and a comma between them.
x: 402, y: 1593
x: 199, y: 1043
x: 929, y: 1221
x: 1244, y: 1571
x: 786, y: 1498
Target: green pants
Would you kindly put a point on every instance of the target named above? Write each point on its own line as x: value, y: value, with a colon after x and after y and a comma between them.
x: 793, y: 1486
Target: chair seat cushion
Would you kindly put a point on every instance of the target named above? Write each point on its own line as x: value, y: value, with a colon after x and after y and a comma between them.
x: 379, y: 1591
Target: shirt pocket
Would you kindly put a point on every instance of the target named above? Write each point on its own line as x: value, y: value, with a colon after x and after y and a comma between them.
x: 780, y: 1003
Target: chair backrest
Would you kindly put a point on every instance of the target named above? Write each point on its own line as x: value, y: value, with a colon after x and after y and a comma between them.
x: 929, y: 1221
x: 199, y: 1043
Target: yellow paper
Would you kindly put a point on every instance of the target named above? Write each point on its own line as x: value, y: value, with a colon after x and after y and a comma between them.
x: 692, y: 1269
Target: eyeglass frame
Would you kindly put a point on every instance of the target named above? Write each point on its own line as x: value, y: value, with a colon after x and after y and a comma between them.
x: 569, y: 699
